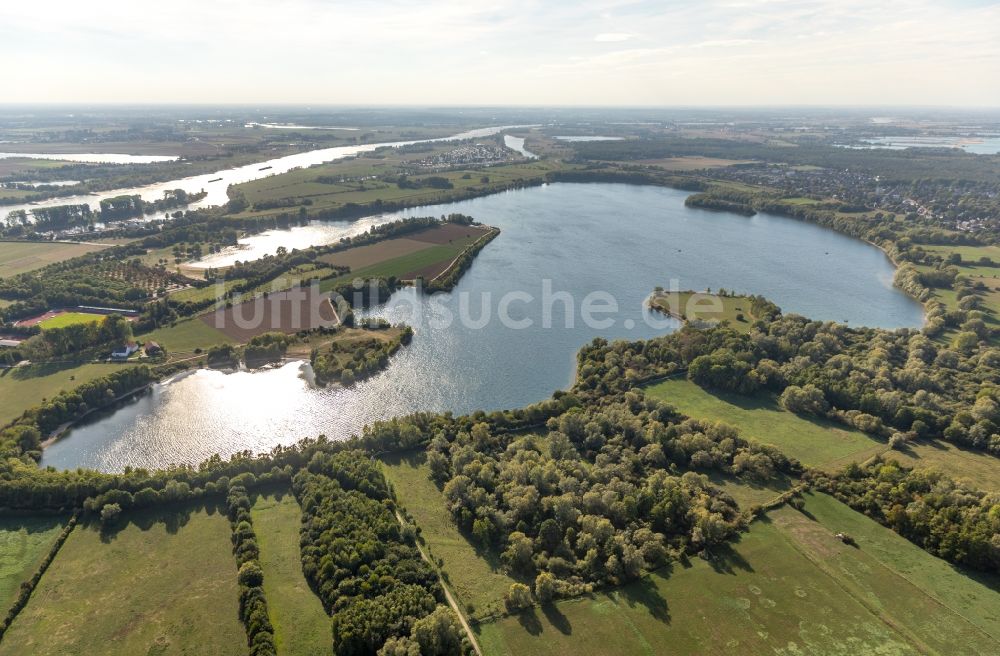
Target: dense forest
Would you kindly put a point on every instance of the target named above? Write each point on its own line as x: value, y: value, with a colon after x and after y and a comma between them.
x: 609, y: 492
x: 364, y: 564
x: 959, y: 524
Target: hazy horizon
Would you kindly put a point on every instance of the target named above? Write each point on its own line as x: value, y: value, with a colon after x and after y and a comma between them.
x: 507, y: 53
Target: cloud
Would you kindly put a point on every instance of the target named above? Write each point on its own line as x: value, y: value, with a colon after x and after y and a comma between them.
x: 613, y: 37
x: 531, y: 51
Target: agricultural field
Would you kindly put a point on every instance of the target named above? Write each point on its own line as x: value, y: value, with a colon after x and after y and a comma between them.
x: 789, y: 586
x: 89, y: 602
x: 197, y: 294
x: 24, y: 543
x: 25, y: 387
x: 23, y: 256
x: 25, y: 167
x: 63, y: 319
x: 185, y: 336
x: 706, y: 308
x: 360, y: 181
x: 816, y: 443
x: 301, y: 626
x: 475, y: 578
x: 288, y: 312
x: 426, y: 254
x: 691, y: 163
x: 936, y: 602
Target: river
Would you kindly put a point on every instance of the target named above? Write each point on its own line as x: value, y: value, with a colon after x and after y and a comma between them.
x: 582, y: 238
x: 216, y: 183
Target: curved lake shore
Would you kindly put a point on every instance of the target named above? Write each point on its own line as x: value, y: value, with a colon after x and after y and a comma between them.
x: 581, y: 238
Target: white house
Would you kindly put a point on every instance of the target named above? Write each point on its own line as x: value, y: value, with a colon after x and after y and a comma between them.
x: 124, y: 351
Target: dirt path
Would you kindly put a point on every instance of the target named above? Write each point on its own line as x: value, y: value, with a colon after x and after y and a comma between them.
x: 447, y: 594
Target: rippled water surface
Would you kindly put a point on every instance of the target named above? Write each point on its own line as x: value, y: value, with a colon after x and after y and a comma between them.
x: 620, y: 239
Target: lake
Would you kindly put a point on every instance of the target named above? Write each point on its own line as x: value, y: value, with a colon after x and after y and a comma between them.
x: 581, y: 238
x: 983, y: 145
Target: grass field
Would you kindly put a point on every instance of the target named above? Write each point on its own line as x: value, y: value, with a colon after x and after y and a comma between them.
x: 426, y: 254
x: 977, y: 468
x: 942, y: 607
x: 21, y: 256
x: 186, y: 336
x: 748, y: 493
x: 26, y: 166
x: 21, y: 389
x: 475, y: 580
x: 70, y: 319
x: 163, y: 584
x: 301, y: 184
x: 301, y: 626
x: 700, y: 307
x: 976, y: 273
x: 691, y: 163
x: 816, y: 443
x: 24, y: 542
x: 788, y: 587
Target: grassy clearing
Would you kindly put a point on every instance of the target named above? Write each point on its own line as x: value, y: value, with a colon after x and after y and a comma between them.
x: 24, y: 542
x: 26, y: 166
x: 185, y: 336
x: 968, y: 253
x: 692, y: 163
x: 163, y: 584
x: 816, y: 443
x: 70, y: 319
x: 705, y: 308
x: 939, y: 607
x: 301, y: 626
x: 474, y: 578
x: 747, y: 493
x: 20, y: 256
x: 360, y: 188
x: 25, y: 388
x: 772, y: 598
x: 977, y: 468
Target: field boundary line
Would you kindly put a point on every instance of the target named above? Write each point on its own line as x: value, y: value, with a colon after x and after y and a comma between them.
x: 447, y: 592
x: 490, y: 233
x: 28, y: 587
x: 822, y: 567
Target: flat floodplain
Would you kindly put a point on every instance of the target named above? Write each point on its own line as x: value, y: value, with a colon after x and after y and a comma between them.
x: 301, y: 626
x: 24, y: 542
x: 768, y: 595
x: 165, y: 583
x: 24, y: 387
x: 816, y: 443
x: 24, y: 256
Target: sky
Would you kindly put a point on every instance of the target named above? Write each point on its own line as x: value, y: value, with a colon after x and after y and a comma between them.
x: 503, y: 52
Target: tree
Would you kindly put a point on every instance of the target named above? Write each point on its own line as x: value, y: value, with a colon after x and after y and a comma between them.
x: 806, y: 400
x: 518, y: 597
x: 251, y: 575
x: 545, y: 587
x: 110, y: 513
